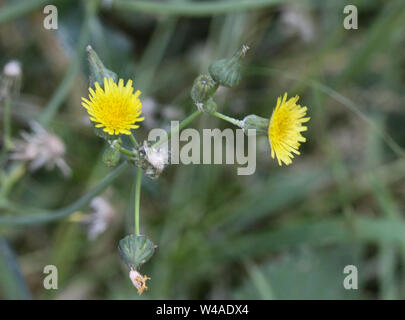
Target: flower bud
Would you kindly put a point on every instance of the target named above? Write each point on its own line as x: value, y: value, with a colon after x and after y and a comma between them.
x: 97, y: 69
x: 227, y: 72
x: 210, y: 106
x: 252, y: 121
x: 111, y: 156
x: 203, y: 89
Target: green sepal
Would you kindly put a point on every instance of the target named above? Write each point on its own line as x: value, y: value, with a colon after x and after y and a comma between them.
x: 260, y: 124
x: 135, y: 250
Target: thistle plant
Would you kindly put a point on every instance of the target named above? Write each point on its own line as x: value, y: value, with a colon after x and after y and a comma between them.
x: 116, y: 109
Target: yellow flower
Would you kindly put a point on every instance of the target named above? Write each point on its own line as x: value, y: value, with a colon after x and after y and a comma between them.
x: 116, y: 108
x: 285, y: 129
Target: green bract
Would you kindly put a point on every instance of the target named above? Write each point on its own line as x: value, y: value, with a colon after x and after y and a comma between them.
x: 135, y: 250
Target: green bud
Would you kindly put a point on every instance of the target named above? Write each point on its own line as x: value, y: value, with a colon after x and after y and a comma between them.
x: 227, y: 72
x: 97, y: 70
x: 252, y: 121
x: 135, y: 250
x: 111, y: 156
x: 203, y: 89
x: 210, y: 106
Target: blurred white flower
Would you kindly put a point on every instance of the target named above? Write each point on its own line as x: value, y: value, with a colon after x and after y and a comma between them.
x: 171, y: 112
x: 10, y: 79
x: 41, y: 149
x: 100, y: 218
x: 297, y: 20
x: 149, y: 112
x: 12, y: 69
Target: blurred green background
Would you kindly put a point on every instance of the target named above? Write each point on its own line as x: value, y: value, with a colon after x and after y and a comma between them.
x: 281, y: 233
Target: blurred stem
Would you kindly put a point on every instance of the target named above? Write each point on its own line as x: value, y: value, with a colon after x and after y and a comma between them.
x: 31, y: 219
x: 7, y: 124
x: 182, y: 124
x: 138, y: 185
x: 7, y: 144
x: 13, y: 285
x: 133, y: 140
x: 10, y: 180
x: 61, y: 92
x: 194, y: 9
x: 20, y: 8
x: 235, y: 122
x: 154, y: 52
x: 259, y: 281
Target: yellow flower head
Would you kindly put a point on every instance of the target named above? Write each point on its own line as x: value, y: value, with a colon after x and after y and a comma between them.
x: 116, y: 108
x: 285, y: 129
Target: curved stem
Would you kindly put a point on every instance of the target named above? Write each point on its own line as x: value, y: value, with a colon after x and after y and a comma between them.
x: 58, y: 214
x: 138, y: 185
x: 196, y: 9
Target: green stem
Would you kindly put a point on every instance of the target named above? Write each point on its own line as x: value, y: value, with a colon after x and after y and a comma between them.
x: 33, y: 219
x: 74, y: 68
x: 235, y: 122
x: 182, y: 124
x: 193, y: 8
x: 126, y: 152
x: 7, y: 143
x: 7, y: 124
x: 138, y: 185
